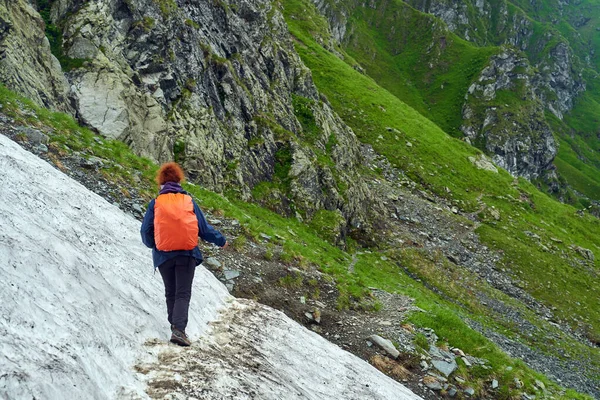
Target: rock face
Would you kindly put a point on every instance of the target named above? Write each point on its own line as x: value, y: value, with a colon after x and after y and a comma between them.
x: 218, y: 87
x: 512, y: 131
x: 26, y: 64
x: 557, y: 80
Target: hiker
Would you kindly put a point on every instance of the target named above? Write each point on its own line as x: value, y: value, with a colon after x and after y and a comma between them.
x: 171, y: 227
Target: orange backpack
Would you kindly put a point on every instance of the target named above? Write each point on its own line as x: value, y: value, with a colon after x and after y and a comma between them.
x: 175, y: 223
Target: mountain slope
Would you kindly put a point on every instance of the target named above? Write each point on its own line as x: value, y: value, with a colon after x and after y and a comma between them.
x: 80, y: 300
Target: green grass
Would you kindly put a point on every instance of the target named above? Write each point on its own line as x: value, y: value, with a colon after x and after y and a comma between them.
x: 389, y: 42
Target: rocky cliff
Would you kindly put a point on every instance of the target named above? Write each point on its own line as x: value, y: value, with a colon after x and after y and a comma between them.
x: 558, y: 78
x: 26, y: 63
x: 496, y: 119
x: 216, y: 86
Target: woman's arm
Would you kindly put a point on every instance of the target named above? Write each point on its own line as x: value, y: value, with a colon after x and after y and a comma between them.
x: 206, y: 231
x: 147, y: 230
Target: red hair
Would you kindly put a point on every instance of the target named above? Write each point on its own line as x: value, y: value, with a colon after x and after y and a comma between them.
x: 169, y: 172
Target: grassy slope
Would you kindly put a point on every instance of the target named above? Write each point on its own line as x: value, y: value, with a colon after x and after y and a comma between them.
x: 302, y: 245
x: 438, y: 160
x: 388, y: 41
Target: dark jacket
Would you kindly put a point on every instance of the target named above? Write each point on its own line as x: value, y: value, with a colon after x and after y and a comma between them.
x: 205, y: 231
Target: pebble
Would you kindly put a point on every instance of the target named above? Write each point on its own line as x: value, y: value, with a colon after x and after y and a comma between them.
x: 452, y: 392
x: 518, y: 383
x: 469, y: 391
x: 265, y: 236
x: 214, y: 221
x: 467, y: 363
x: 302, y: 299
x: 456, y: 350
x: 494, y: 384
x: 540, y: 384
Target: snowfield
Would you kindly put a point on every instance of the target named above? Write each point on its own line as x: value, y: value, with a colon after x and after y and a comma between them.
x: 82, y: 315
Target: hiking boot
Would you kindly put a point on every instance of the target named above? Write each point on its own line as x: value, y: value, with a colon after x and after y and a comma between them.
x: 179, y: 337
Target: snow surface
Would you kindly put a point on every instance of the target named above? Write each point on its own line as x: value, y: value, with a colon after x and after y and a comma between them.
x: 80, y: 308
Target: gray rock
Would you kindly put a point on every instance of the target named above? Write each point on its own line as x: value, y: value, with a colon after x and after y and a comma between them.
x: 214, y: 221
x: 230, y: 273
x: 494, y: 384
x: 385, y: 345
x: 433, y: 385
x: 483, y: 162
x: 467, y: 362
x: 91, y: 162
x: 445, y: 367
x: 518, y: 383
x: 34, y: 136
x: 469, y: 391
x: 213, y: 262
x: 540, y: 384
x: 452, y: 392
x: 82, y: 48
x: 265, y: 236
x: 585, y: 253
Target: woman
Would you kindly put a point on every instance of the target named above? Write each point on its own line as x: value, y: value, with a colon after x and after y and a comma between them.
x: 171, y: 227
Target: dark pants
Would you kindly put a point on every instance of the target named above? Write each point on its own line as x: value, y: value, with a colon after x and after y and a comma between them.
x: 178, y: 274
